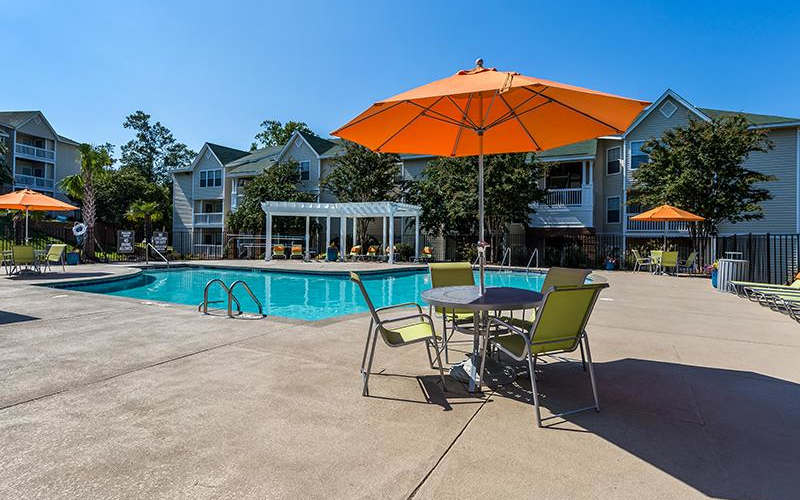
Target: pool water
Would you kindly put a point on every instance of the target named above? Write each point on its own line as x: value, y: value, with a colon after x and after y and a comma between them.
x: 294, y: 295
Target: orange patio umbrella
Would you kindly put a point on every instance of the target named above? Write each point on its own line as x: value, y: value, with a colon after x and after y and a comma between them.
x: 484, y: 111
x: 27, y: 199
x: 667, y: 213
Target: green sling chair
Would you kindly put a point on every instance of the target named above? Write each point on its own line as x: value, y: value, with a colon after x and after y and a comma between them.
x: 413, y: 328
x: 556, y: 276
x: 55, y: 254
x: 560, y: 327
x: 669, y: 259
x: 23, y: 257
x: 453, y: 274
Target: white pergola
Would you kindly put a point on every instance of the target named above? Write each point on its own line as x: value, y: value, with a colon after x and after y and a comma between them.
x: 386, y: 210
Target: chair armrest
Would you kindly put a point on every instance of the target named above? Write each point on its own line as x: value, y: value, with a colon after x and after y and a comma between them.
x: 397, y: 306
x: 511, y: 328
x: 404, y: 318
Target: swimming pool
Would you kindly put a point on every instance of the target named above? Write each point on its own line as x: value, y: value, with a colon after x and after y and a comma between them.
x: 289, y: 294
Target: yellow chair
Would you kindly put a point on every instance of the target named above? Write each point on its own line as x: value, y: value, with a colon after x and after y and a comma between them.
x: 355, y: 252
x: 23, y: 257
x: 411, y: 329
x: 669, y: 259
x: 453, y: 274
x: 297, y: 252
x: 372, y: 252
x: 655, y: 258
x: 560, y: 327
x: 278, y: 252
x: 55, y: 254
x: 427, y: 254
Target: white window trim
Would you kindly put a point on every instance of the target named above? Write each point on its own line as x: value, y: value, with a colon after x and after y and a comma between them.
x: 630, y: 149
x: 621, y: 160
x: 665, y: 113
x: 213, y: 176
x: 619, y: 209
x: 300, y: 163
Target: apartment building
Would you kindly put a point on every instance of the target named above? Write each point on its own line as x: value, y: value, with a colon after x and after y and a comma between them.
x: 38, y: 156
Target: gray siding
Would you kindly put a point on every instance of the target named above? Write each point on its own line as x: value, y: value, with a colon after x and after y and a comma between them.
x: 327, y: 167
x: 36, y: 126
x: 605, y: 186
x: 207, y: 162
x: 68, y: 162
x: 299, y: 151
x: 780, y: 213
x: 414, y: 166
x: 182, y: 201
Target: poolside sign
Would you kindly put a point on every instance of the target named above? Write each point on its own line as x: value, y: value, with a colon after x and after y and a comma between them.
x: 160, y: 241
x: 125, y: 241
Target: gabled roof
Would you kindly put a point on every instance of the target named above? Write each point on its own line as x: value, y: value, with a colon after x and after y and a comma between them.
x: 68, y: 140
x: 318, y: 144
x: 754, y: 119
x: 255, y: 162
x: 225, y: 154
x: 15, y: 119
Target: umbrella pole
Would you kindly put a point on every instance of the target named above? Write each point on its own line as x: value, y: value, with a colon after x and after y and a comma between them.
x: 481, y: 244
x: 26, y: 225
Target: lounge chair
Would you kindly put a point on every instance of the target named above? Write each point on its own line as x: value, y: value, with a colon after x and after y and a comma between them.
x: 23, y: 258
x: 372, y: 252
x: 410, y: 329
x: 641, y: 262
x: 389, y: 250
x: 560, y: 327
x: 332, y: 254
x: 278, y: 252
x: 690, y: 264
x: 297, y: 252
x: 462, y: 320
x: 355, y: 252
x: 426, y: 255
x: 740, y: 287
x: 556, y: 277
x: 55, y: 254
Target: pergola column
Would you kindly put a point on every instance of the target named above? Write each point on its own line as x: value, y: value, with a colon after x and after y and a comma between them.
x: 355, y: 225
x: 416, y: 238
x: 383, y: 236
x: 308, y: 224
x: 391, y: 237
x: 342, y: 237
x: 327, y: 232
x: 268, y: 237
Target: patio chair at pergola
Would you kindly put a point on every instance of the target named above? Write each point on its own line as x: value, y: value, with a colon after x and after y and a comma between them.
x: 387, y: 211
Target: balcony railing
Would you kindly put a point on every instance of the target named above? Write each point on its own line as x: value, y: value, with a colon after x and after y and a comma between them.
x: 570, y: 197
x: 34, y: 152
x: 208, y: 219
x: 33, y: 181
x: 646, y: 226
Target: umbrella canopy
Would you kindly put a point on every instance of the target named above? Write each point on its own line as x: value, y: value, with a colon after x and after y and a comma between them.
x: 485, y: 111
x: 668, y: 213
x: 27, y: 199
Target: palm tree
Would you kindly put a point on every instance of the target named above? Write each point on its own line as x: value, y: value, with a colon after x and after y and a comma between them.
x: 5, y: 171
x: 144, y: 211
x: 94, y: 160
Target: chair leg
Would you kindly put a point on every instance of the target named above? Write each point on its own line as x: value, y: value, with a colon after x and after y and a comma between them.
x: 365, y: 391
x: 444, y: 336
x: 533, y: 389
x: 583, y: 358
x: 428, y: 350
x: 591, y: 373
x: 439, y: 362
x: 366, y: 346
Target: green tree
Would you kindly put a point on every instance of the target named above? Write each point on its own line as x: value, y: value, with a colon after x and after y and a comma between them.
x: 447, y: 193
x: 278, y: 183
x: 277, y: 134
x: 82, y: 186
x: 154, y: 151
x: 146, y: 212
x: 119, y: 188
x: 5, y: 169
x: 699, y: 168
x: 360, y: 175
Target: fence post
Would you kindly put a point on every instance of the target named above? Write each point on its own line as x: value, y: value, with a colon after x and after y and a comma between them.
x: 769, y: 263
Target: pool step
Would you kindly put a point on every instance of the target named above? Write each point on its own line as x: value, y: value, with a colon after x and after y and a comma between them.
x: 203, y: 306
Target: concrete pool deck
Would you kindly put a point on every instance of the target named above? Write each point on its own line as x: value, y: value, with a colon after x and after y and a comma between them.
x: 113, y: 397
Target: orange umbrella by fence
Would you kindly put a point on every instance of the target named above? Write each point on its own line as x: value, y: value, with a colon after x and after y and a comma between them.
x: 485, y: 111
x: 27, y: 199
x: 667, y: 213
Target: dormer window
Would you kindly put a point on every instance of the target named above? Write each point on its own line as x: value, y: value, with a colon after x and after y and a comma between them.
x: 668, y: 109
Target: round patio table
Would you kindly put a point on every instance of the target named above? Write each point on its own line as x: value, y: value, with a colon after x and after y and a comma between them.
x: 469, y: 298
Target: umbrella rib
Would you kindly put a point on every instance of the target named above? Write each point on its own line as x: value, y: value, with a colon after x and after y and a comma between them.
x: 506, y: 116
x: 409, y: 122
x: 465, y: 111
x: 530, y: 136
x: 576, y: 110
x: 509, y: 116
x: 356, y: 122
x: 441, y: 116
x: 460, y: 129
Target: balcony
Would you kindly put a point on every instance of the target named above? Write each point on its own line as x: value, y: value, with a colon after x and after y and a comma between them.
x: 30, y: 181
x: 637, y: 226
x: 208, y: 219
x: 567, y: 207
x: 32, y: 152
x: 570, y: 197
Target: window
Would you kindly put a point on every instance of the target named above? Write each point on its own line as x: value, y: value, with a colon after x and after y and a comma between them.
x: 637, y: 156
x: 612, y: 210
x: 613, y: 160
x: 305, y: 170
x: 668, y: 109
x: 564, y: 175
x: 210, y: 178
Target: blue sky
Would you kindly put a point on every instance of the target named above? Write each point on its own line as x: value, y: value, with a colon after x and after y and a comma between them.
x: 211, y: 71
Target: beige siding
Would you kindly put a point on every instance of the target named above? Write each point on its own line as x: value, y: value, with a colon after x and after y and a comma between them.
x: 780, y: 213
x: 182, y: 201
x: 605, y: 186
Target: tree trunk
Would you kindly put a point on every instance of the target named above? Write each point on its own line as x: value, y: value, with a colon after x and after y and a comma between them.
x: 89, y: 218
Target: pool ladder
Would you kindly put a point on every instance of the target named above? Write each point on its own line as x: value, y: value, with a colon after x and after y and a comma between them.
x: 231, y: 299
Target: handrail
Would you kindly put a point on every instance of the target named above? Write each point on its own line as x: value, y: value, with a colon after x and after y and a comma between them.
x: 535, y: 253
x: 204, y: 305
x: 506, y: 252
x: 249, y: 292
x: 157, y: 253
x: 477, y: 259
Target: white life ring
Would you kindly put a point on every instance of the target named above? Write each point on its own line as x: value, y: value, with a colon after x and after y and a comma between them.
x: 79, y: 229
